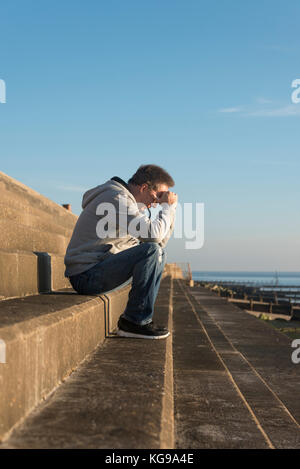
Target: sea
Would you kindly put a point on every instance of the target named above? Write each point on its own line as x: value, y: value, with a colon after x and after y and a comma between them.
x: 249, y: 278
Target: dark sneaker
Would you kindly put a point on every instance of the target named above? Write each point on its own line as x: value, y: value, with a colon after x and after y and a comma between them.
x: 148, y: 331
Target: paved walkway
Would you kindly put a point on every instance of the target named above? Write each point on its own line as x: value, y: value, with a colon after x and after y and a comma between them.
x: 234, y: 380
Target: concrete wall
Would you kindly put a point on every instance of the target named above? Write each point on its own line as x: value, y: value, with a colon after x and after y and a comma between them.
x: 174, y: 271
x: 31, y: 224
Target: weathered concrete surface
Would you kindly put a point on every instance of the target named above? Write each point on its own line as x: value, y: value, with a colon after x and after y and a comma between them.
x: 46, y: 337
x: 34, y: 207
x: 257, y: 361
x: 30, y: 223
x: 115, y: 301
x: 18, y: 274
x: 29, y: 273
x: 57, y: 276
x: 25, y: 215
x: 208, y: 411
x: 14, y: 236
x: 115, y: 399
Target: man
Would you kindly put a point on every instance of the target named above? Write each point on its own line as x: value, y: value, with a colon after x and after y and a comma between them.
x: 114, y: 240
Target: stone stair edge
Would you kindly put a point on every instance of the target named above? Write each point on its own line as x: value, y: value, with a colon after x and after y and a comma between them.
x: 60, y: 314
x: 165, y: 404
x: 31, y: 217
x: 24, y: 274
x: 14, y: 235
x: 69, y: 334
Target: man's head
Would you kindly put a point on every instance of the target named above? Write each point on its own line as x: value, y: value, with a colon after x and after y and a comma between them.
x: 149, y: 183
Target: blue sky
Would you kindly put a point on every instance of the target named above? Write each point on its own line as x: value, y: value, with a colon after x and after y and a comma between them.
x: 202, y: 88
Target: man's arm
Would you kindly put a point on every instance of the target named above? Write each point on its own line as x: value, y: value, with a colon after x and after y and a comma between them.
x: 171, y: 199
x: 171, y: 229
x: 136, y: 223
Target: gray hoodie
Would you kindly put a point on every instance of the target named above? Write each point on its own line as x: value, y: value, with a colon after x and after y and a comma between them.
x: 110, y: 222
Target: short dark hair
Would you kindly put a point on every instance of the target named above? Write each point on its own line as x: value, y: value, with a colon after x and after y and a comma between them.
x: 152, y: 175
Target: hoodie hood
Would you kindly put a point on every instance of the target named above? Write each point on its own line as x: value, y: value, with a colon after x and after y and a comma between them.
x: 113, y: 183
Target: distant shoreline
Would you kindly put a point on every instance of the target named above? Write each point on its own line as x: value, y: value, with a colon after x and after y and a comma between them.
x: 260, y: 272
x: 249, y: 277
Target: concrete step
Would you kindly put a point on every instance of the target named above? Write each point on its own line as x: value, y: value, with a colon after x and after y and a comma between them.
x: 29, y: 273
x: 23, y: 199
x: 15, y: 236
x: 46, y: 337
x: 31, y: 227
x: 119, y: 397
x: 34, y: 218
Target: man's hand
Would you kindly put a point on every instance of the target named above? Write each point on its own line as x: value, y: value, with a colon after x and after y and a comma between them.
x: 168, y: 197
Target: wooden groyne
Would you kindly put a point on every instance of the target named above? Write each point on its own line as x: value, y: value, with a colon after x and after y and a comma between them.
x: 275, y: 300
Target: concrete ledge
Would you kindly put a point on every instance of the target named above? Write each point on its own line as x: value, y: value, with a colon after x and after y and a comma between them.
x: 121, y: 396
x: 46, y: 337
x: 34, y: 218
x: 18, y: 274
x: 19, y: 197
x: 14, y: 236
x: 116, y: 300
x: 31, y: 224
x: 58, y: 279
x: 29, y: 273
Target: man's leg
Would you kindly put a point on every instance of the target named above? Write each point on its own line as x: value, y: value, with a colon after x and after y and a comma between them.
x: 145, y: 286
x: 144, y: 263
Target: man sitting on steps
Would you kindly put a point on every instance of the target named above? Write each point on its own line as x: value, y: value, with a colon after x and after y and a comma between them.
x: 114, y: 240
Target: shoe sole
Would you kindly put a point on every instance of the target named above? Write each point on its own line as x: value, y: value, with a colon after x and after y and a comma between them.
x: 132, y: 335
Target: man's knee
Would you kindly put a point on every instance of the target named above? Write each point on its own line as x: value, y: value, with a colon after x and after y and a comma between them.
x: 154, y: 249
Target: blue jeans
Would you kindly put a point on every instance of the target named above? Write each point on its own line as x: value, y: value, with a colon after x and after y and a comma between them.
x: 144, y: 263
